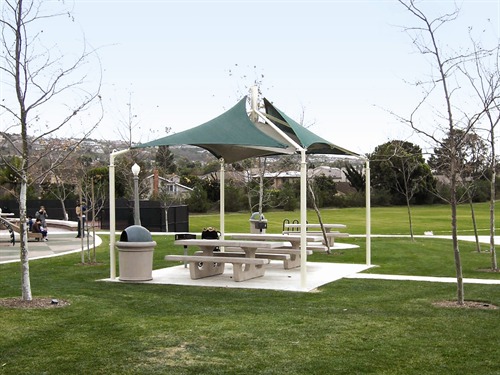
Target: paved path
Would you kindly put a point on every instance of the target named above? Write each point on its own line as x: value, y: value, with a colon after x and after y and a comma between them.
x: 60, y: 242
x: 433, y: 279
x: 63, y: 242
x: 482, y: 239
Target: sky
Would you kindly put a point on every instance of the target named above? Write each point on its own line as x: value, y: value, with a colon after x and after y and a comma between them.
x: 345, y: 67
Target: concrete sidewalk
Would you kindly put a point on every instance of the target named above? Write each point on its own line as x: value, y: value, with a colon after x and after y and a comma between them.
x: 60, y: 242
x: 275, y: 277
x: 433, y: 279
x: 63, y: 242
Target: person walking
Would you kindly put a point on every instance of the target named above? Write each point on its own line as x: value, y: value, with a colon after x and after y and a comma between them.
x: 80, y: 214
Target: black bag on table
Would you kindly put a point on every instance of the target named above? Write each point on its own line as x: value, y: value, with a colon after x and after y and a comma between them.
x: 210, y: 233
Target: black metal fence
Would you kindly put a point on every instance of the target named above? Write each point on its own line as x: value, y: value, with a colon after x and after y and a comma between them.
x: 154, y: 216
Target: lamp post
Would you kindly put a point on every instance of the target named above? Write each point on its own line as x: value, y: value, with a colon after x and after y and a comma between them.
x: 137, y: 215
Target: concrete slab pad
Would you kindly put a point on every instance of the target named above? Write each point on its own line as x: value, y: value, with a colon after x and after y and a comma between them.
x: 275, y: 278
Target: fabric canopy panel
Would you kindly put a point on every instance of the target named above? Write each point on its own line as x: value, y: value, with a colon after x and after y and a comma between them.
x: 234, y: 137
x: 304, y: 137
x: 231, y: 136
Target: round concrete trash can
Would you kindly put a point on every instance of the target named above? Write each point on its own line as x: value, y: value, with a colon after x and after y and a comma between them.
x: 135, y: 250
x: 258, y: 223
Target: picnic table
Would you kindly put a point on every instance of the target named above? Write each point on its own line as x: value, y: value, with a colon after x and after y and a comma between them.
x: 293, y: 260
x: 211, y: 263
x: 315, y: 229
x: 328, y: 227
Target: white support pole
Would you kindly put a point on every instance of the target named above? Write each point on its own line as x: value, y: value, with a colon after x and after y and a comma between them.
x: 303, y: 219
x: 254, y: 96
x: 303, y: 200
x: 368, y: 214
x: 222, y: 199
x: 112, y: 217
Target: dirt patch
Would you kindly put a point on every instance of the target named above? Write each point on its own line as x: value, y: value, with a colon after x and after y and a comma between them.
x: 467, y: 305
x: 488, y: 270
x: 89, y: 264
x: 35, y: 303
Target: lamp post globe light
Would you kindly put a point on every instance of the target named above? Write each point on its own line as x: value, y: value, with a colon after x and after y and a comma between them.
x: 137, y: 215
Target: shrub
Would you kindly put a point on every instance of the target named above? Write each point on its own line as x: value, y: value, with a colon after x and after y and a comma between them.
x: 198, y: 201
x: 235, y: 199
x: 381, y: 197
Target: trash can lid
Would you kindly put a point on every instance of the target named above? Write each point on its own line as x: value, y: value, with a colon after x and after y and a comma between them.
x: 136, y: 233
x: 255, y: 216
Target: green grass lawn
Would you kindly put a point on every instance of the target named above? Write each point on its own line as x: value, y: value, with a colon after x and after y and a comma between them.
x: 385, y: 220
x: 347, y: 327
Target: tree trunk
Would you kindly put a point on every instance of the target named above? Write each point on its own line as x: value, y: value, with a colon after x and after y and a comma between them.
x: 23, y: 243
x: 494, y: 264
x: 65, y: 213
x: 262, y: 169
x: 454, y: 235
x: 320, y: 220
x: 249, y: 190
x: 80, y: 226
x: 474, y: 224
x: 409, y: 218
x: 94, y: 255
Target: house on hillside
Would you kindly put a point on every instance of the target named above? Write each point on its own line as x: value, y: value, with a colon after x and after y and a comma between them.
x: 239, y: 178
x: 337, y: 174
x: 171, y: 185
x: 279, y: 178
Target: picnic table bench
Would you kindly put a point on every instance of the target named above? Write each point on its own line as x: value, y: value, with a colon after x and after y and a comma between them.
x: 211, y: 264
x: 12, y: 227
x: 292, y: 250
x: 239, y: 254
x: 316, y: 230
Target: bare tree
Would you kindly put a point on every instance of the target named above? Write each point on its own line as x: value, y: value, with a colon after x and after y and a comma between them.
x: 258, y: 187
x: 43, y: 80
x: 129, y: 130
x: 128, y: 123
x: 94, y: 188
x: 408, y: 186
x: 485, y: 82
x: 262, y: 170
x: 400, y: 168
x: 62, y: 180
x: 318, y: 214
x: 425, y: 39
x: 471, y: 168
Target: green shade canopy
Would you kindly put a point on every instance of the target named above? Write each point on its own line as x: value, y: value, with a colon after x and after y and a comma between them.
x: 304, y: 137
x: 231, y: 136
